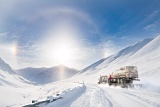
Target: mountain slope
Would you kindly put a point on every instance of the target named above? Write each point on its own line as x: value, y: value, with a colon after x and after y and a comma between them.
x: 47, y: 75
x: 123, y: 54
x: 9, y: 78
x: 5, y: 67
x: 145, y: 55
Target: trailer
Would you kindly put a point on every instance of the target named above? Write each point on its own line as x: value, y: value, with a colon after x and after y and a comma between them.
x: 123, y: 77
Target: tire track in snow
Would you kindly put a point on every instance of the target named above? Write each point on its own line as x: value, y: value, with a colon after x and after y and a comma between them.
x: 93, y: 97
x: 144, y: 99
x: 110, y: 99
x: 123, y: 100
x: 99, y: 98
x: 110, y: 103
x: 101, y: 93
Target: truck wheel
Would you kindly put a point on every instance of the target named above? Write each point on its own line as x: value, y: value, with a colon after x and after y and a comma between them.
x: 121, y: 81
x: 118, y: 81
x: 109, y: 82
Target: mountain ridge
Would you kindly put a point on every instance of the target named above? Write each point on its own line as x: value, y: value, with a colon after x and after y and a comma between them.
x: 145, y: 55
x: 9, y: 78
x: 47, y: 74
x: 124, y: 52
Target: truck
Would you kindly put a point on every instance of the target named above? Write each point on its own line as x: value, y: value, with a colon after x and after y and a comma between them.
x: 123, y: 77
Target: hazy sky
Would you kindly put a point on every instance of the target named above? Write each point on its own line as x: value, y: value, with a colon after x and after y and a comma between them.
x: 76, y: 33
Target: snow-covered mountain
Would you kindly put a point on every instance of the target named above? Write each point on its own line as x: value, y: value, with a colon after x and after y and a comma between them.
x: 9, y: 78
x: 145, y: 55
x: 5, y: 67
x: 124, y: 53
x: 47, y: 75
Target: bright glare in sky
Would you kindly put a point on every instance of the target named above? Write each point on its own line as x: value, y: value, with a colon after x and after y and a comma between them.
x: 60, y: 46
x: 63, y: 53
x: 75, y: 33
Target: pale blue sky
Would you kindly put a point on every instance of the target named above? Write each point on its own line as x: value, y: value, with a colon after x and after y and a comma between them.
x: 31, y: 31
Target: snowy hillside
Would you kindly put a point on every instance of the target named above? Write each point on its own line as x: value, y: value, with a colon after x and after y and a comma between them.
x: 9, y: 78
x: 47, y: 75
x: 124, y: 53
x: 5, y: 67
x: 145, y: 55
x: 82, y: 89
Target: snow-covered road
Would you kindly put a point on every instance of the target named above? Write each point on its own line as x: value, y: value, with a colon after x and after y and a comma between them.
x: 94, y: 95
x: 103, y: 96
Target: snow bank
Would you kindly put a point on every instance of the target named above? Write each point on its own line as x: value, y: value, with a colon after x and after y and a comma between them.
x: 68, y: 95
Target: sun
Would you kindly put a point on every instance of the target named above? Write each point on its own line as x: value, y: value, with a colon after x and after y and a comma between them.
x: 61, y: 46
x: 63, y: 53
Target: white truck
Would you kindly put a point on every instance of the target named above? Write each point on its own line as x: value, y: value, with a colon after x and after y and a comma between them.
x: 123, y: 77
